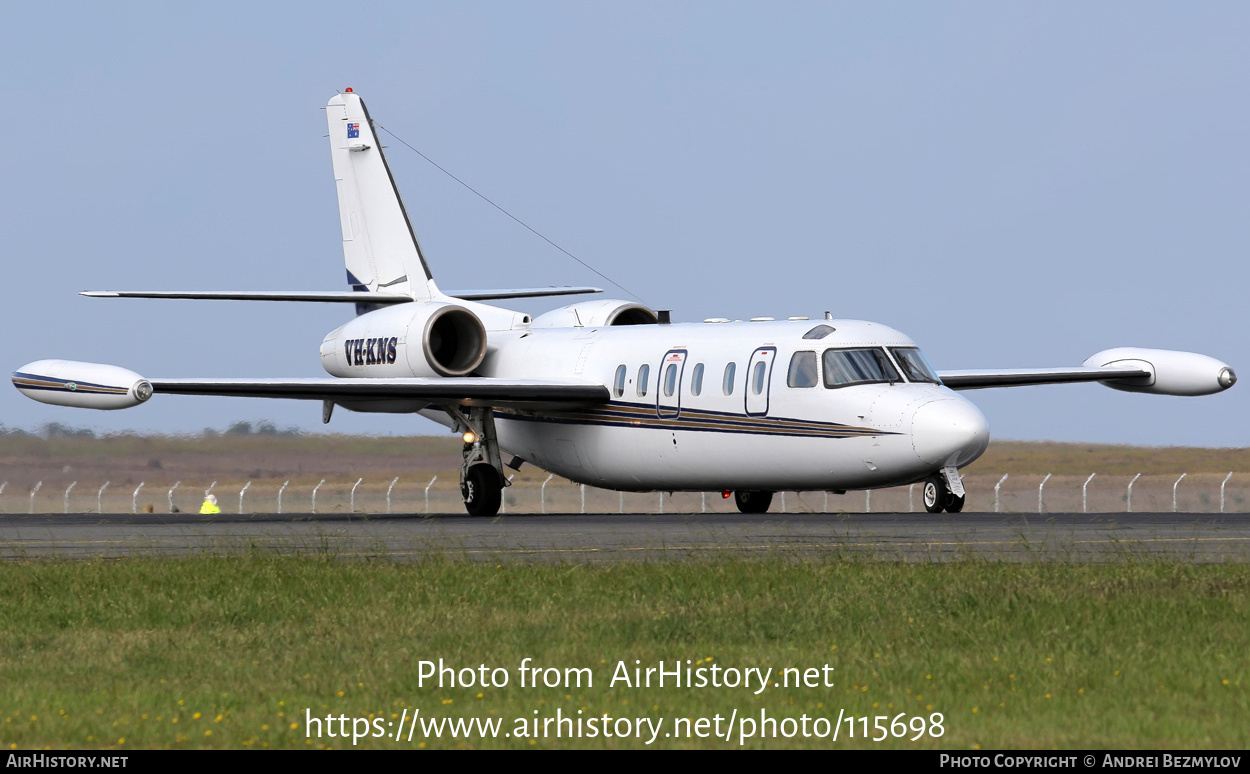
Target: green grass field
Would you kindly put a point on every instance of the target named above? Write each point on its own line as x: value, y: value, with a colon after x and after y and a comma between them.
x: 228, y: 652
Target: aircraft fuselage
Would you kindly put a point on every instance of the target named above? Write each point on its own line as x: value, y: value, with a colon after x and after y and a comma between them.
x: 704, y: 406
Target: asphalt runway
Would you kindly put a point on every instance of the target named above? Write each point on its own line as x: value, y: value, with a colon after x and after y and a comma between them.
x: 1190, y: 537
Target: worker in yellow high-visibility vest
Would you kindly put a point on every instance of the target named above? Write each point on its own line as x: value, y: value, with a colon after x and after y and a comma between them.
x: 210, y: 504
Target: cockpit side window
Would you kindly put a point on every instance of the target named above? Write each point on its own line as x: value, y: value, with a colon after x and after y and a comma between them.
x: 845, y: 367
x: 803, y: 370
x: 915, y: 365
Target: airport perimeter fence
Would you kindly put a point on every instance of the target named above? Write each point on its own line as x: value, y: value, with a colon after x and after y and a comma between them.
x: 541, y: 493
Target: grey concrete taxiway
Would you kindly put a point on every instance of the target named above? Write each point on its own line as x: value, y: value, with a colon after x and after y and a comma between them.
x: 1189, y: 537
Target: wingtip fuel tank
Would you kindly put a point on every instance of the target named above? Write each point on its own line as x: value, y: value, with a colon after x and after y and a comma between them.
x: 1171, y: 372
x: 83, y: 385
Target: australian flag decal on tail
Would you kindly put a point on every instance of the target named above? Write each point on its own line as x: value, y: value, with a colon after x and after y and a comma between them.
x: 353, y: 131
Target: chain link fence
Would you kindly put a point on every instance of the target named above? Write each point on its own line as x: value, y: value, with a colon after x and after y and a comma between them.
x: 540, y: 493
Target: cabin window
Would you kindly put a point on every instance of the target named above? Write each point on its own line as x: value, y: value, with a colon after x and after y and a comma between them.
x: 618, y: 385
x: 696, y: 380
x: 819, y: 332
x: 857, y: 366
x: 727, y: 386
x: 670, y: 380
x: 757, y: 377
x: 915, y: 365
x: 803, y: 370
x: 644, y: 376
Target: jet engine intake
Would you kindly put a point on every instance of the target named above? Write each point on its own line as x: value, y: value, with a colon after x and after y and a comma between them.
x: 597, y: 314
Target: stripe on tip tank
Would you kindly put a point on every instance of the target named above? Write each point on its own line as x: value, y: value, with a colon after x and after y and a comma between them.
x: 53, y: 384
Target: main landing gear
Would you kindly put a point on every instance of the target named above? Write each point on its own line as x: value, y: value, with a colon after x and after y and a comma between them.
x: 482, y: 490
x: 481, y: 475
x: 753, y: 501
x: 938, y: 497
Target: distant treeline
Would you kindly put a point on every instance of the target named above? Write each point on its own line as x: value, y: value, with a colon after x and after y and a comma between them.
x: 61, y: 430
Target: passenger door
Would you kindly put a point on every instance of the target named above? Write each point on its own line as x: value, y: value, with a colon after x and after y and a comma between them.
x: 668, y: 392
x: 759, y: 377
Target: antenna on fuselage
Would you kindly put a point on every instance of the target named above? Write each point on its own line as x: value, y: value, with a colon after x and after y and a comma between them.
x: 828, y: 315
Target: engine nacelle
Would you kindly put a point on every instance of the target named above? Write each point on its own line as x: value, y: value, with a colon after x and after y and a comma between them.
x: 432, y: 339
x: 597, y: 314
x: 83, y: 385
x: 1171, y: 372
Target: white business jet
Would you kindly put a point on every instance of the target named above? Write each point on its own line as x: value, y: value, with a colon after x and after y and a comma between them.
x: 608, y: 393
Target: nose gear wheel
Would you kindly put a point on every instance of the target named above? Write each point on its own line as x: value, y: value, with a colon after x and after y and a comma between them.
x: 938, y: 497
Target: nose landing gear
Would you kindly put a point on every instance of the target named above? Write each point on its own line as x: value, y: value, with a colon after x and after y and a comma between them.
x: 938, y: 497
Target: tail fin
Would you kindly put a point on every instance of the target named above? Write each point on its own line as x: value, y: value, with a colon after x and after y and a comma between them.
x: 379, y: 246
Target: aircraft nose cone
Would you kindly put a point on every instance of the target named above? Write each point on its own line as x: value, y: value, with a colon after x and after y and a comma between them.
x: 949, y: 426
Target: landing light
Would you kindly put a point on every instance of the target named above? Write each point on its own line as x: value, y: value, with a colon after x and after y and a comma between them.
x: 469, y: 436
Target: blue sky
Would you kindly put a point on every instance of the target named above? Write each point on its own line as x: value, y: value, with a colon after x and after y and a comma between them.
x: 1012, y: 184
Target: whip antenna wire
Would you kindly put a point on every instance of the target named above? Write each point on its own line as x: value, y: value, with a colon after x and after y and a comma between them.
x: 486, y: 199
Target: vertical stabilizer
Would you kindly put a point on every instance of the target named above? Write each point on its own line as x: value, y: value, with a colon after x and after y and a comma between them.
x: 379, y: 246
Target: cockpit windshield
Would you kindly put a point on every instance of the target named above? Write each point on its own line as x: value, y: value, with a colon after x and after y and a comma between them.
x: 857, y: 366
x: 915, y: 365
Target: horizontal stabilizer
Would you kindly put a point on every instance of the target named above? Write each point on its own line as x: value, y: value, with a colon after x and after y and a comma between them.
x: 1021, y: 377
x: 494, y: 295
x: 334, y: 297
x: 345, y: 297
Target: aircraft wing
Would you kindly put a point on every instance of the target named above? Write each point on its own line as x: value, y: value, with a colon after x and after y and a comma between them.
x: 484, y: 391
x: 1131, y: 369
x: 1021, y: 377
x: 101, y: 386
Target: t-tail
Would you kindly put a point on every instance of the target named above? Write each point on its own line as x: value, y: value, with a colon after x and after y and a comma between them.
x: 380, y: 248
x: 383, y: 258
